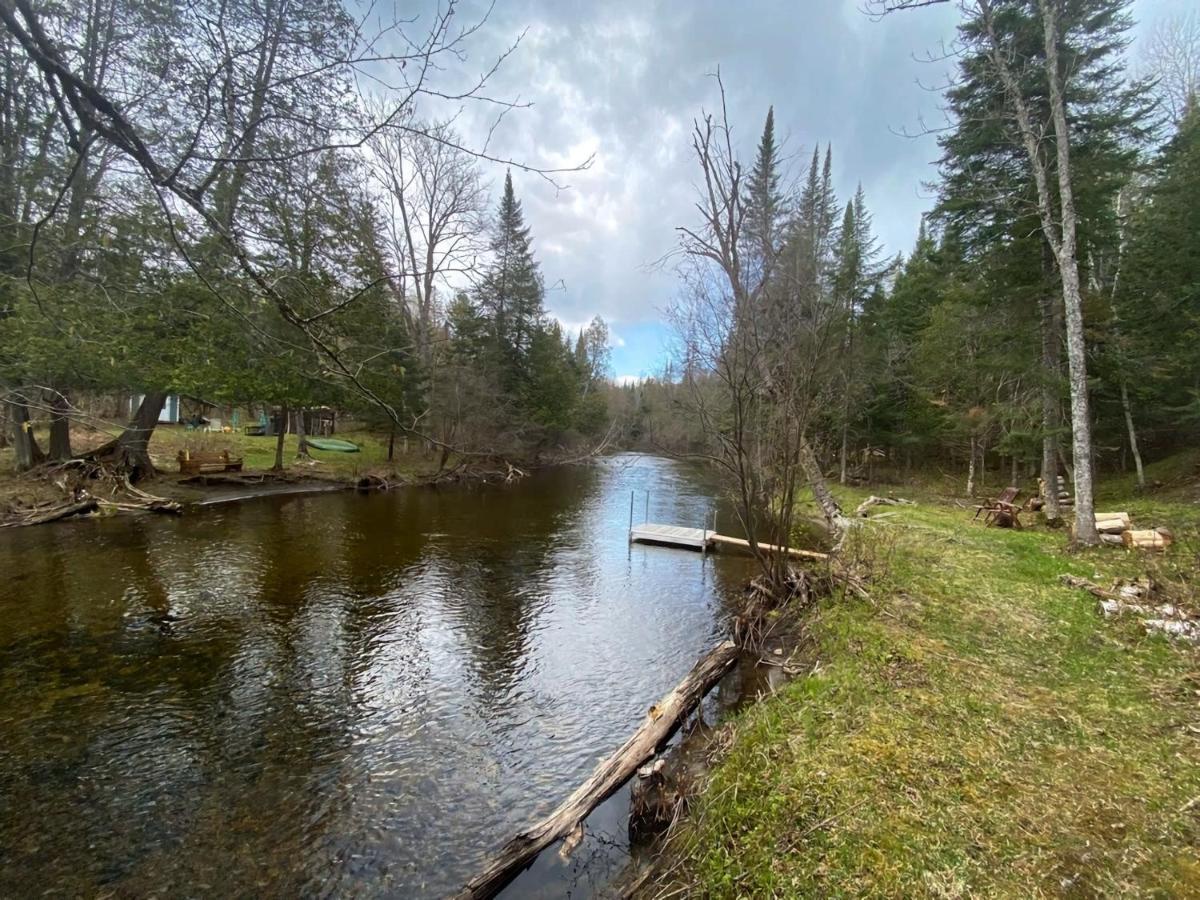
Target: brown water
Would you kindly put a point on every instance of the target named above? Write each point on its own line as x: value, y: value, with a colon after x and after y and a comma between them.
x: 338, y: 694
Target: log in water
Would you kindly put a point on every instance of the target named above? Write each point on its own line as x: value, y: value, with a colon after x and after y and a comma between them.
x: 660, y: 723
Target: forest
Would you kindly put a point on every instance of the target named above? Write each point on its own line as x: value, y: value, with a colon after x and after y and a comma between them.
x: 202, y: 200
x: 212, y: 201
x: 1044, y: 323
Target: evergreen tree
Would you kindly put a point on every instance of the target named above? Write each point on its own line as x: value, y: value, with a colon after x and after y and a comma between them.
x: 764, y: 201
x: 510, y: 295
x: 1158, y: 297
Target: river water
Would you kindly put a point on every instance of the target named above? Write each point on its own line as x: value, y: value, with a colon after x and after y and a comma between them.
x: 339, y: 694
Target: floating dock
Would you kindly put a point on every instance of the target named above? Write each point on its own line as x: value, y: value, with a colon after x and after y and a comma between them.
x: 671, y: 536
x: 704, y: 540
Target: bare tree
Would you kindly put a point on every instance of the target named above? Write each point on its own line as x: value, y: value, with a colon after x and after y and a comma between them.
x: 754, y: 345
x: 434, y: 206
x: 1172, y: 56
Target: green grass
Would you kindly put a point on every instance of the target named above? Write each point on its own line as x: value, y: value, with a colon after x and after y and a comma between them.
x: 258, y: 453
x: 975, y: 729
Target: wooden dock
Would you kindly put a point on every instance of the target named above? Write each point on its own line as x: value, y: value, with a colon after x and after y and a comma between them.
x: 700, y: 539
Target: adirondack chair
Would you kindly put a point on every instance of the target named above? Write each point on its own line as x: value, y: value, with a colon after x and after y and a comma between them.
x: 1002, y: 510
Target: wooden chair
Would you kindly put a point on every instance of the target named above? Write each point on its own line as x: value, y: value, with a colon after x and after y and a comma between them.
x: 1002, y: 510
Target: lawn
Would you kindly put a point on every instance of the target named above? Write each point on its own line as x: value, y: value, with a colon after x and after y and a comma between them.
x: 974, y: 729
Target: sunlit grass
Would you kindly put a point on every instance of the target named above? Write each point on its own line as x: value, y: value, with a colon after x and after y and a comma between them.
x: 258, y: 453
x: 975, y: 729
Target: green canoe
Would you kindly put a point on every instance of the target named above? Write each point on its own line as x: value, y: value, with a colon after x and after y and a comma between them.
x: 332, y: 444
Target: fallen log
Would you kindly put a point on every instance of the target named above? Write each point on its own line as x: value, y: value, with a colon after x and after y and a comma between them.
x: 64, y: 511
x: 863, y: 507
x: 1121, y: 591
x: 567, y: 820
x: 1090, y: 586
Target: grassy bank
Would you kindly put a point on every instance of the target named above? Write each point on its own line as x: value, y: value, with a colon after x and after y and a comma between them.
x: 258, y: 455
x: 975, y: 729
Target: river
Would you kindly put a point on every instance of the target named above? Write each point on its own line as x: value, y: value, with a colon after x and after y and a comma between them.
x: 339, y: 694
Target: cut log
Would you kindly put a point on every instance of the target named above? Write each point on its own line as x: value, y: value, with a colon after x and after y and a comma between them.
x: 660, y: 723
x: 1122, y: 516
x: 1157, y: 539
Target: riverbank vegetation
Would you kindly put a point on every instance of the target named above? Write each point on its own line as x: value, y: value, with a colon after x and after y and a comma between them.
x: 973, y: 727
x: 267, y: 208
x: 1043, y: 325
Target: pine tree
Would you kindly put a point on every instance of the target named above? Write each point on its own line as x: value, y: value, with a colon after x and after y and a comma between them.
x: 764, y: 201
x: 510, y: 296
x: 1158, y: 297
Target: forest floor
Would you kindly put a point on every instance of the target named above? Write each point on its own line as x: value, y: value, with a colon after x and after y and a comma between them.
x: 975, y: 728
x: 258, y: 454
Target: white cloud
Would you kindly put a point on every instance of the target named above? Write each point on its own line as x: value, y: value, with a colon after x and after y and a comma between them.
x: 623, y: 80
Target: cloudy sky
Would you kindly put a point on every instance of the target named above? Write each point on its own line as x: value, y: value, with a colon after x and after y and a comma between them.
x: 622, y: 80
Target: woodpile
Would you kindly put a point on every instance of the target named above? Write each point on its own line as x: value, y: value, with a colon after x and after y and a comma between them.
x: 1065, y: 500
x: 1137, y: 598
x: 1117, y: 528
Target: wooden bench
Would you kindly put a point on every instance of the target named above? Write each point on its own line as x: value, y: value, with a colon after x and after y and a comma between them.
x: 193, y: 463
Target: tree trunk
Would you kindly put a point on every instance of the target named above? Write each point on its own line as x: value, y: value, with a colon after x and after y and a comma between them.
x: 834, y: 517
x: 1059, y: 228
x: 971, y: 470
x: 60, y: 427
x: 1068, y: 270
x: 279, y: 439
x: 842, y: 476
x: 392, y: 443
x: 1133, y: 443
x: 28, y: 453
x: 132, y: 448
x: 301, y: 442
x: 1050, y: 371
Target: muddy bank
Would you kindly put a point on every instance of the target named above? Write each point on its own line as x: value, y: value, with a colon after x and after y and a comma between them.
x: 52, y: 493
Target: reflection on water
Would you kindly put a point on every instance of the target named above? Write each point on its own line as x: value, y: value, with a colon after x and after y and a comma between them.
x: 337, y: 694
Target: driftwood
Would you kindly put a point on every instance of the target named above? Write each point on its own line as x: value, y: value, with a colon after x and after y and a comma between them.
x: 63, y: 511
x: 567, y: 820
x: 863, y: 507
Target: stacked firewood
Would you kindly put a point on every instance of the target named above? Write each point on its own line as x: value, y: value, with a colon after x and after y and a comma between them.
x: 1117, y: 528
